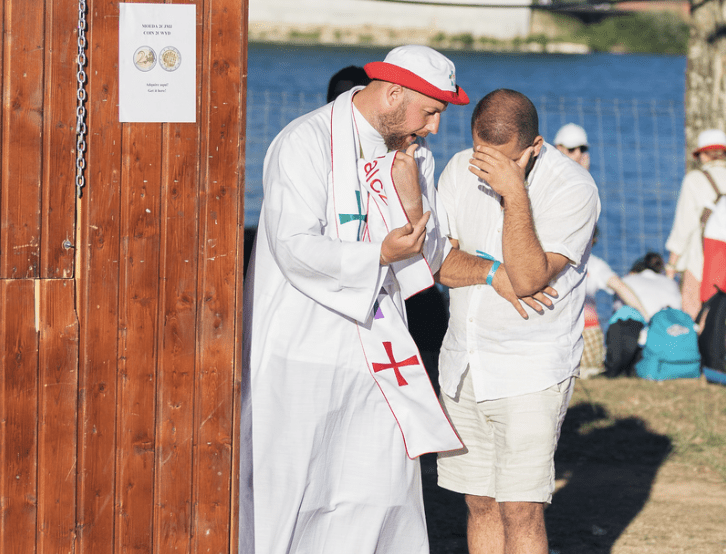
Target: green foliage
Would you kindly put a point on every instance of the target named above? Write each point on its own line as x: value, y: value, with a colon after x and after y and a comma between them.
x: 653, y: 32
x: 310, y: 36
x: 488, y: 41
x: 539, y: 39
x: 658, y: 33
x: 465, y: 39
x: 438, y: 38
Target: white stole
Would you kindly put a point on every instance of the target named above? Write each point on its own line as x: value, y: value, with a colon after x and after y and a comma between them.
x: 391, y: 354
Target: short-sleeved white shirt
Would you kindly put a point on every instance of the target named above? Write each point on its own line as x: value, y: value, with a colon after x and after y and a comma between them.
x: 598, y: 275
x: 654, y: 290
x: 507, y: 354
x: 696, y: 193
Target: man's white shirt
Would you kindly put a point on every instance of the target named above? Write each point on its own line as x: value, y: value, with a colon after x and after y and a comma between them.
x: 507, y: 354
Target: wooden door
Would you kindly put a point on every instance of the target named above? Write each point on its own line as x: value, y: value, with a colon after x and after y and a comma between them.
x: 119, y: 367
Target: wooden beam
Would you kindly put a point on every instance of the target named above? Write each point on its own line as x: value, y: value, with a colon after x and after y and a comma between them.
x: 22, y: 126
x: 57, y: 411
x: 18, y: 415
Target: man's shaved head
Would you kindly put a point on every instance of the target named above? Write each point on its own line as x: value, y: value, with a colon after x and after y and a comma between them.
x: 504, y: 114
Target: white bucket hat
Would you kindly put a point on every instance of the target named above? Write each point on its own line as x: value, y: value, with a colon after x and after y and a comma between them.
x: 571, y: 136
x: 422, y: 69
x: 711, y: 139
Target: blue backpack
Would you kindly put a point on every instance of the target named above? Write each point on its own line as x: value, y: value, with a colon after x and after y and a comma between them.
x: 671, y: 348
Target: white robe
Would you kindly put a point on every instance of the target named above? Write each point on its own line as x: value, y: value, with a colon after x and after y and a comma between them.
x: 330, y: 471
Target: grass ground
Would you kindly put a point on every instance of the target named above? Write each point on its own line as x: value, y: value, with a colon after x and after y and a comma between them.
x: 641, y: 467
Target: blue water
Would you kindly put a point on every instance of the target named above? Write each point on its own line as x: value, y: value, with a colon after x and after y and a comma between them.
x: 307, y: 69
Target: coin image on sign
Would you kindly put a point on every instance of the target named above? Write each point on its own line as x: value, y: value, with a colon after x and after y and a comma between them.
x: 170, y: 58
x: 145, y: 58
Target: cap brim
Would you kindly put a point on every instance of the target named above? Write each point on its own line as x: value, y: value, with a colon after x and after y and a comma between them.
x: 393, y: 74
x: 709, y: 147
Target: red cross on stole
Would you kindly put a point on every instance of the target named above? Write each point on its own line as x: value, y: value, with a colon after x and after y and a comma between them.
x: 394, y: 364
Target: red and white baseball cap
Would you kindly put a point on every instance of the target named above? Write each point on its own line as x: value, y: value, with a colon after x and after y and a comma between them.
x: 711, y: 139
x: 422, y: 69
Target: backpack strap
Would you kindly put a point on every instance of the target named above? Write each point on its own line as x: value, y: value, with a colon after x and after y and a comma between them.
x: 706, y: 306
x: 719, y: 194
x: 706, y: 213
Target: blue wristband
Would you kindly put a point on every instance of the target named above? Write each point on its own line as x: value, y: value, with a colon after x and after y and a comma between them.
x: 484, y: 255
x: 492, y: 271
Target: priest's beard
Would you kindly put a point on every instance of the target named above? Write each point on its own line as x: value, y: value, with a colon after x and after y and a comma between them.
x: 390, y: 125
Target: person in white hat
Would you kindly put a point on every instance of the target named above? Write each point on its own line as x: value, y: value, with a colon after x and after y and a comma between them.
x: 336, y: 403
x: 571, y: 140
x: 529, y: 213
x: 700, y: 189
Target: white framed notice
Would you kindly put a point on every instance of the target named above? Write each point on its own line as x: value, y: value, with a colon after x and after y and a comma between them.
x: 157, y: 63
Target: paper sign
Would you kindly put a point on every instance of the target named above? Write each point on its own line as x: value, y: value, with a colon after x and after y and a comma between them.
x: 157, y: 63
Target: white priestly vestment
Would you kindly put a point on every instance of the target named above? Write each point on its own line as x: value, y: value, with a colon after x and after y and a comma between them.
x: 330, y: 469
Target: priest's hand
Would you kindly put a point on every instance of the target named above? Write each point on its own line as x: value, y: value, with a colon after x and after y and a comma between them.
x: 538, y: 301
x: 405, y: 179
x: 404, y: 242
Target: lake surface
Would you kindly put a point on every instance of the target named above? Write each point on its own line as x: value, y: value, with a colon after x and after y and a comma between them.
x: 298, y: 69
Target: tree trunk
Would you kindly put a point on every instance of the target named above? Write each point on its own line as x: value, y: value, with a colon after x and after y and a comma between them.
x: 706, y: 71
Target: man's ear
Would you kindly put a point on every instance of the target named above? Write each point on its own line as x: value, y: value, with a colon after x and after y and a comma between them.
x: 538, y: 142
x: 394, y: 94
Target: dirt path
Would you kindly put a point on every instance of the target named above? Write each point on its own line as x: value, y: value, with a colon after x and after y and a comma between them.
x: 617, y: 492
x: 685, y: 512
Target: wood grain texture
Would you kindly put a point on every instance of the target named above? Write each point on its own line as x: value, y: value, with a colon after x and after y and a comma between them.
x: 177, y: 323
x: 138, y: 308
x: 239, y: 472
x: 57, y: 408
x: 18, y: 415
x: 58, y: 196
x: 119, y: 365
x: 221, y: 194
x: 177, y: 345
x: 98, y: 283
x: 22, y: 125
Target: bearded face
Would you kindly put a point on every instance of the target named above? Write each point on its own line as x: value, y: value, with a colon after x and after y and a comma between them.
x: 392, y: 126
x: 415, y: 115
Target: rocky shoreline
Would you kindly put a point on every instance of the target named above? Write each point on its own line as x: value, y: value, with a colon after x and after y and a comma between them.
x: 365, y: 35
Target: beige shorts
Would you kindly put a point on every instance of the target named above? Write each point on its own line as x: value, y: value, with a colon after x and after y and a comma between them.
x: 509, y: 443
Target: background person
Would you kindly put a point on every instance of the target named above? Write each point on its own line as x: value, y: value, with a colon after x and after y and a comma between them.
x: 345, y: 79
x: 700, y: 189
x: 648, y: 282
x: 506, y: 381
x: 330, y: 467
x: 655, y: 291
x: 600, y: 276
x: 571, y: 140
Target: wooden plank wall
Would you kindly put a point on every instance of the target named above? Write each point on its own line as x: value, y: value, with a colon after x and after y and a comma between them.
x: 38, y: 323
x: 119, y: 368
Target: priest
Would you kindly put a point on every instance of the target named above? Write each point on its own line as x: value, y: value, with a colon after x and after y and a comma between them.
x: 337, y: 405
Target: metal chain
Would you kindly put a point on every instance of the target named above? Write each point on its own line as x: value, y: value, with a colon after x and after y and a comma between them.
x: 81, y: 96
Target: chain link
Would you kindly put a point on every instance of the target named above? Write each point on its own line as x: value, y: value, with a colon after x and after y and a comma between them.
x: 81, y: 97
